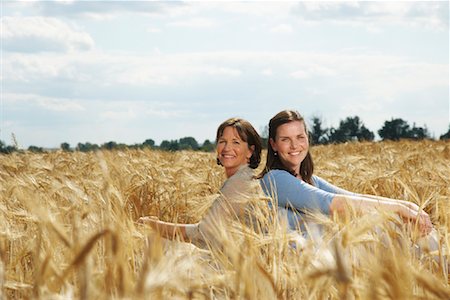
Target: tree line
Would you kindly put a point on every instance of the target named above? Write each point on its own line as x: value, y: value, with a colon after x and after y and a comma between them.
x: 349, y: 129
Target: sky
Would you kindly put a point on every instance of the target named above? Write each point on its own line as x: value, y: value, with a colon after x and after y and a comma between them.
x: 100, y: 71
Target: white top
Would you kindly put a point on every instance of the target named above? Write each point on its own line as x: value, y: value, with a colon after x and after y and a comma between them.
x: 235, y: 194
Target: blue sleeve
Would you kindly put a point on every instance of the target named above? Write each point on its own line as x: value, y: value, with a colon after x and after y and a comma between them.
x: 328, y: 187
x: 291, y: 192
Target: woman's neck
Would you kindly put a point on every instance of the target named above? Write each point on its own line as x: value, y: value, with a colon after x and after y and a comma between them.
x: 231, y: 171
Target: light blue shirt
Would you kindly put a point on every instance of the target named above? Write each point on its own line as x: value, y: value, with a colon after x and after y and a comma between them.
x: 296, y: 197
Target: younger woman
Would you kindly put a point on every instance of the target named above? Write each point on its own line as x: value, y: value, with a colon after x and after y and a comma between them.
x: 288, y: 176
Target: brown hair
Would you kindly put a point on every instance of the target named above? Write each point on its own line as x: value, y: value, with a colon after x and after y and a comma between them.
x: 273, y: 161
x: 248, y: 134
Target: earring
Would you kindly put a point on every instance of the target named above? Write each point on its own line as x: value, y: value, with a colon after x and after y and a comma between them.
x: 275, y: 153
x: 218, y: 162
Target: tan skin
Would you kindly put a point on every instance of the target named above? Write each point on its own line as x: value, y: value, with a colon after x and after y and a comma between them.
x: 292, y: 145
x: 232, y: 153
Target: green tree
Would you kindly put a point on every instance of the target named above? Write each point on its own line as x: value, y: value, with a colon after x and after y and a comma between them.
x: 318, y: 135
x: 418, y: 133
x: 65, y: 147
x: 35, y: 149
x: 207, y: 146
x: 6, y: 149
x: 265, y: 136
x: 169, y: 145
x: 86, y: 147
x: 395, y: 129
x: 350, y: 129
x: 446, y: 136
x: 188, y: 143
x: 148, y: 143
x: 109, y: 145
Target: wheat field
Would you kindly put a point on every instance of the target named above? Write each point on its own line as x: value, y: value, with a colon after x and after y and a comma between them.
x: 68, y: 229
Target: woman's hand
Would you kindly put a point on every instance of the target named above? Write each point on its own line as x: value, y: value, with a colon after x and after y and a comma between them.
x: 148, y: 220
x: 419, y: 217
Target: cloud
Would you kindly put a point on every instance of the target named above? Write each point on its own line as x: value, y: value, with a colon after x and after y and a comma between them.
x: 96, y: 69
x: 42, y: 102
x: 41, y: 34
x: 101, y: 10
x: 282, y: 28
x: 153, y: 30
x: 267, y: 72
x: 313, y: 71
x: 135, y: 110
x: 362, y: 13
x: 194, y: 23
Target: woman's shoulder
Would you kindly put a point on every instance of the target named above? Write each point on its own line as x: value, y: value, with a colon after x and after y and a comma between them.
x: 277, y: 173
x: 240, y: 180
x: 244, y: 173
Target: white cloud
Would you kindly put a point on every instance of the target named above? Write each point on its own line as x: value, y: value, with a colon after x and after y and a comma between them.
x: 270, y: 9
x: 153, y: 30
x: 282, y: 28
x: 366, y: 13
x: 267, y: 72
x: 46, y: 103
x: 100, y: 10
x: 37, y: 34
x: 111, y: 115
x: 102, y: 69
x: 194, y: 23
x: 223, y: 71
x: 313, y: 71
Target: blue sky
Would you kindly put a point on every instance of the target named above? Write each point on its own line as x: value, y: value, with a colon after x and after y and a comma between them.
x: 99, y: 71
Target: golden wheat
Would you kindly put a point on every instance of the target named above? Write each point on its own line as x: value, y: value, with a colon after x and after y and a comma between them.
x: 67, y: 228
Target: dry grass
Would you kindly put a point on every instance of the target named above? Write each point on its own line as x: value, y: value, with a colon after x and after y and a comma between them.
x: 67, y: 229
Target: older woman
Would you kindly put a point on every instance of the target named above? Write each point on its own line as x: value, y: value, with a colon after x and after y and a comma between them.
x: 238, y: 151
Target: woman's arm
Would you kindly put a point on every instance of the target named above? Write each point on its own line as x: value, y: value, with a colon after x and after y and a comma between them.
x: 292, y: 192
x: 166, y: 229
x: 409, y: 212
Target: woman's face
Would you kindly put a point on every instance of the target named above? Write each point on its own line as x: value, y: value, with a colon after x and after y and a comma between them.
x: 292, y: 144
x: 232, y: 151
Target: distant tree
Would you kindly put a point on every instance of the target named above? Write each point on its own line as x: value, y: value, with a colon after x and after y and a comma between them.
x: 318, y: 134
x: 188, y: 143
x: 65, y: 147
x: 35, y: 149
x: 169, y: 145
x: 207, y: 146
x: 6, y: 149
x: 148, y: 143
x: 446, y: 136
x: 86, y: 147
x: 265, y: 136
x: 350, y: 129
x: 395, y: 129
x: 109, y: 145
x: 418, y: 133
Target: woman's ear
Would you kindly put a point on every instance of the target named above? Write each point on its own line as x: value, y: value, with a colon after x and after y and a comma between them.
x: 252, y: 149
x: 272, y: 144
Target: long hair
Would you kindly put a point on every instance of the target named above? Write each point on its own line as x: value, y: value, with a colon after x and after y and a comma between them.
x: 248, y: 134
x: 273, y: 161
